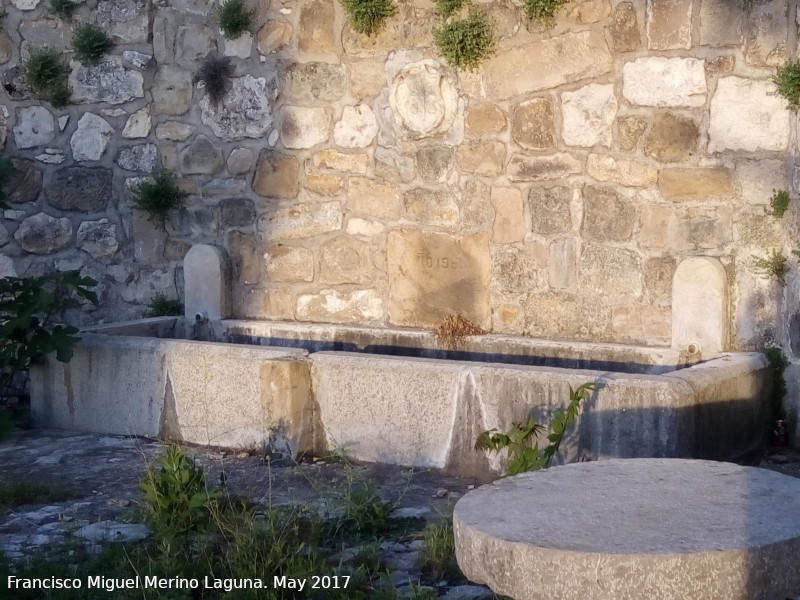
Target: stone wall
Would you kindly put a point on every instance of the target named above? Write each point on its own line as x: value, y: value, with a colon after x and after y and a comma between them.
x: 551, y: 193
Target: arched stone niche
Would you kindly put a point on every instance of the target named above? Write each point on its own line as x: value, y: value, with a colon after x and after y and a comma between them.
x: 206, y: 282
x: 424, y: 99
x: 700, y: 306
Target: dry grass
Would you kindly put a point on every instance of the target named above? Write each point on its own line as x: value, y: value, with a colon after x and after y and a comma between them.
x: 453, y: 329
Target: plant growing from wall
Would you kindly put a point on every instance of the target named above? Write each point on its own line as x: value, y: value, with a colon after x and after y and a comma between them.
x: 90, y: 43
x: 787, y: 78
x: 234, y: 19
x: 215, y: 72
x: 161, y: 306
x: 778, y: 362
x: 6, y: 169
x: 445, y: 8
x: 63, y: 8
x: 542, y: 11
x: 368, y: 16
x: 521, y: 440
x: 775, y: 265
x: 28, y: 306
x: 779, y: 203
x: 46, y: 75
x: 158, y: 197
x: 466, y: 42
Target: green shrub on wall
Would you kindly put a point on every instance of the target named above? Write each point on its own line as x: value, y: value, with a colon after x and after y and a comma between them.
x: 46, y: 75
x: 158, y: 197
x: 445, y: 8
x: 543, y: 11
x: 465, y: 43
x: 787, y: 78
x: 235, y: 19
x: 63, y: 8
x: 90, y: 43
x: 215, y: 72
x: 368, y: 16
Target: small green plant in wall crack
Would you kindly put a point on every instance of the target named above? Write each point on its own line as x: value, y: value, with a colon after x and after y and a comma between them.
x: 158, y: 197
x: 445, y: 8
x: 787, y: 78
x: 235, y: 19
x: 368, y: 16
x: 46, y: 75
x: 63, y: 8
x: 521, y: 440
x: 779, y: 203
x: 542, y: 11
x: 90, y: 43
x: 774, y: 265
x: 466, y: 42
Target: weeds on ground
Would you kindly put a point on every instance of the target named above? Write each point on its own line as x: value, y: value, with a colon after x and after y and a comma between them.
x: 521, y: 441
x: 161, y: 306
x: 368, y: 16
x: 90, y: 43
x: 779, y: 203
x: 465, y: 43
x: 774, y: 265
x: 18, y: 492
x: 439, y: 557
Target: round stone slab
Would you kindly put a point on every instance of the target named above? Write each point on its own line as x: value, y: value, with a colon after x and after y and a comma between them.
x: 655, y: 529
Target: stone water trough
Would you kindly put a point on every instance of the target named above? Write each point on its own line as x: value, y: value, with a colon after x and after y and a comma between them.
x: 393, y: 396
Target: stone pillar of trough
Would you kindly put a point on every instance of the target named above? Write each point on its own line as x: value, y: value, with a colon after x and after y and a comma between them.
x: 206, y: 282
x: 700, y: 306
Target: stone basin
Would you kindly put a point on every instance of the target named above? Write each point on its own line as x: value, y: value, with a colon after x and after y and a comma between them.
x: 660, y: 529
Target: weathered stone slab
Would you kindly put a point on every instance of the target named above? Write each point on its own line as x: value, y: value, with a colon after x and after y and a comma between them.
x: 91, y: 138
x: 432, y: 275
x: 719, y: 25
x: 52, y: 32
x: 607, y: 217
x: 244, y: 112
x: 621, y: 170
x: 80, y: 188
x: 108, y: 82
x: 43, y: 234
x: 588, y: 114
x: 346, y: 260
x: 305, y: 127
x: 538, y: 168
x: 669, y: 24
x: 434, y: 163
x: 746, y: 114
x: 550, y: 209
x: 98, y: 238
x: 301, y: 221
x: 360, y: 306
x: 546, y: 64
x: 672, y: 137
x: 625, y: 34
x: 676, y: 228
x: 236, y: 212
x: 24, y: 182
x: 485, y: 118
x: 767, y: 32
x: 659, y: 81
x: 313, y: 81
x: 630, y: 130
x: 431, y: 207
x: 288, y: 264
x: 138, y: 124
x: 695, y: 184
x: 482, y: 158
x: 273, y: 36
x: 172, y: 90
x: 758, y: 178
x: 515, y: 270
x: 194, y: 41
x: 562, y: 269
x: 206, y: 275
x: 340, y: 161
x: 509, y: 215
x: 533, y: 125
x: 610, y: 272
x: 425, y: 101
x: 201, y: 157
x: 316, y: 31
x: 700, y: 306
x: 276, y: 175
x: 125, y: 20
x: 357, y: 128
x: 373, y: 199
x: 143, y: 157
x: 34, y: 126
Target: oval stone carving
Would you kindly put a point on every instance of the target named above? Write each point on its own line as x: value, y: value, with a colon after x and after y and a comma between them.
x: 424, y: 99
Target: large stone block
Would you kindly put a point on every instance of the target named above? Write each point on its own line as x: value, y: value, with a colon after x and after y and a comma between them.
x: 767, y: 34
x: 244, y: 112
x: 373, y: 199
x: 247, y: 257
x: 625, y: 34
x: 172, y: 91
x: 303, y: 127
x: 80, y: 188
x: 301, y: 221
x: 206, y: 276
x: 276, y: 175
x: 340, y: 161
x: 719, y: 25
x: 539, y: 168
x: 24, y: 182
x: 660, y: 81
x: 509, y: 215
x: 485, y: 118
x: 482, y: 158
x: 359, y: 306
x: 475, y: 205
x: 669, y: 24
x: 98, y: 238
x: 273, y: 36
x: 35, y: 126
x: 643, y: 324
x: 432, y: 275
x: 125, y: 20
x: 107, y: 81
x: 431, y: 207
x: 565, y: 315
x: 346, y: 260
x: 562, y: 266
x: 546, y: 64
x: 758, y: 178
x: 313, y: 81
x: 316, y: 33
x: 550, y: 209
x: 610, y: 272
x: 533, y: 124
x: 588, y: 114
x: 434, y: 163
x: 43, y: 234
x: 607, y: 217
x: 700, y: 306
x: 630, y: 130
x: 658, y: 272
x: 515, y: 270
x: 747, y: 114
x: 621, y: 170
x: 289, y: 264
x: 201, y: 157
x: 357, y: 127
x: 675, y: 228
x: 695, y: 184
x: 672, y: 138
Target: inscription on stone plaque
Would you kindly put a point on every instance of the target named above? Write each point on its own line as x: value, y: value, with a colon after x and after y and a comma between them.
x: 424, y: 99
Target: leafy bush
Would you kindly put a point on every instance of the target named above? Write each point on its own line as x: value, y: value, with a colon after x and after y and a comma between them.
x: 234, y: 19
x: 367, y: 16
x: 177, y: 499
x: 63, y: 8
x: 46, y: 75
x: 521, y: 440
x: 775, y: 265
x: 27, y: 306
x: 216, y: 73
x: 90, y: 43
x: 787, y: 78
x: 466, y: 42
x: 158, y: 197
x: 445, y: 8
x: 161, y: 306
x: 543, y: 11
x: 779, y: 203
